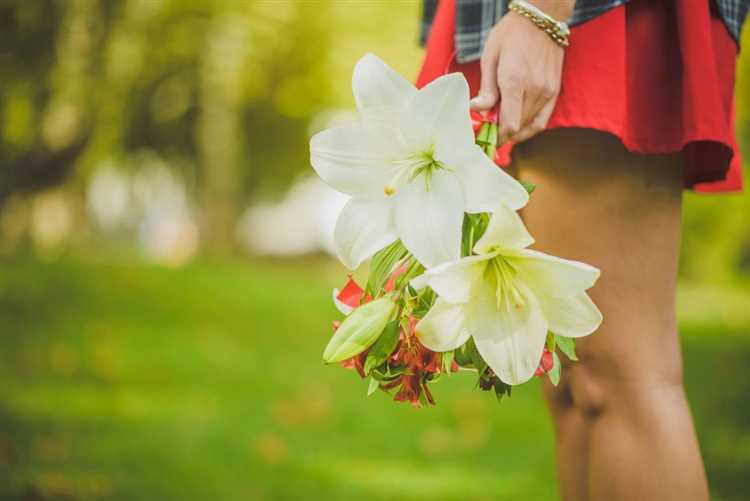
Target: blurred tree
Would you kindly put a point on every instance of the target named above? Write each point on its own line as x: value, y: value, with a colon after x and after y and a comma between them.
x: 44, y: 61
x: 716, y: 233
x: 89, y: 80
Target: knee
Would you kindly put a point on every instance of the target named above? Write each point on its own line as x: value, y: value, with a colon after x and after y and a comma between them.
x: 594, y: 390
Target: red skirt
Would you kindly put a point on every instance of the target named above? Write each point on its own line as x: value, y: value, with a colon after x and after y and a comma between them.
x: 658, y: 75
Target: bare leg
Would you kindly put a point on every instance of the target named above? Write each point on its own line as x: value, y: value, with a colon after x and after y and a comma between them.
x: 624, y: 430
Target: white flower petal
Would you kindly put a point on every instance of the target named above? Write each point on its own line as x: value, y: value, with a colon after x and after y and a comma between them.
x: 379, y: 91
x: 484, y: 183
x: 573, y: 316
x: 342, y: 307
x: 551, y: 275
x: 429, y: 219
x: 355, y: 160
x: 506, y: 230
x: 452, y: 281
x: 509, y: 338
x: 364, y: 227
x: 443, y: 329
x: 439, y: 112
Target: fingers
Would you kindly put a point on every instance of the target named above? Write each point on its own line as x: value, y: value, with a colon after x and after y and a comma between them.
x: 535, y: 97
x: 488, y: 91
x: 538, y: 122
x: 512, y: 94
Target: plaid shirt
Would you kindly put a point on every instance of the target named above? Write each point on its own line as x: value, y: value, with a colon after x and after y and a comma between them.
x: 475, y: 19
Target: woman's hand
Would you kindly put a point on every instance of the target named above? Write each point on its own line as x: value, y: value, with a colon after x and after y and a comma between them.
x: 521, y: 68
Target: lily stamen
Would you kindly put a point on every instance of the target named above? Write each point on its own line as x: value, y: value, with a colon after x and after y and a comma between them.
x: 505, y: 285
x: 419, y: 164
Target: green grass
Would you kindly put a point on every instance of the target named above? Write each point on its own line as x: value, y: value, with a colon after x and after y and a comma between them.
x: 120, y: 380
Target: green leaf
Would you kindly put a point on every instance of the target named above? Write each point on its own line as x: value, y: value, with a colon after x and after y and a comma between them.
x: 529, y: 187
x: 483, y: 137
x: 461, y: 355
x: 372, y: 386
x: 550, y: 341
x: 394, y: 372
x: 388, y: 375
x: 473, y: 228
x: 567, y: 345
x: 423, y: 399
x: 448, y: 361
x: 414, y: 269
x: 554, y: 374
x: 383, y: 347
x: 425, y: 300
x: 501, y: 390
x: 382, y: 263
x: 492, y: 140
x: 359, y: 330
x: 476, y: 358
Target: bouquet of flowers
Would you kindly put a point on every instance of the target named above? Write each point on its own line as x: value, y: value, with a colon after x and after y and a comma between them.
x: 452, y: 284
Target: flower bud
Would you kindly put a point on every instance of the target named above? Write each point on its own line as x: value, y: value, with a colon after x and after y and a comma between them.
x: 359, y: 330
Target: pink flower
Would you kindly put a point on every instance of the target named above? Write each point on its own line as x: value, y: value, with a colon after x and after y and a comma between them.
x: 545, y: 364
x: 391, y: 283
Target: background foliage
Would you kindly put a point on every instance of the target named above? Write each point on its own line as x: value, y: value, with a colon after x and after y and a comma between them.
x: 122, y: 379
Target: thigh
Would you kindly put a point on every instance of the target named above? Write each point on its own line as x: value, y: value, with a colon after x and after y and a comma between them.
x: 597, y: 202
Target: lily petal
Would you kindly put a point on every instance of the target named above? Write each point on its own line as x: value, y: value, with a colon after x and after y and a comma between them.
x: 506, y: 230
x: 443, y: 329
x: 428, y: 219
x: 551, y: 275
x: 364, y: 227
x: 484, y: 183
x: 354, y: 160
x: 439, y: 113
x: 510, y: 337
x: 574, y: 316
x: 378, y: 89
x: 452, y: 281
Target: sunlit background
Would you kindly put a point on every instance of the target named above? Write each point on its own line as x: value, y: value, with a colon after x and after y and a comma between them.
x: 165, y: 278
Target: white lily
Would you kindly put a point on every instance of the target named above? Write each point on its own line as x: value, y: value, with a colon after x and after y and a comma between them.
x: 507, y: 298
x: 410, y: 165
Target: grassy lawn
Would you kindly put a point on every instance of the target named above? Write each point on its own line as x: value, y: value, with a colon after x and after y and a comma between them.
x: 119, y: 380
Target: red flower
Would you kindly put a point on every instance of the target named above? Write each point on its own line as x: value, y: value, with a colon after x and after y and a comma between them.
x: 357, y: 362
x: 545, y: 364
x: 414, y: 355
x: 419, y: 364
x: 352, y: 294
x: 411, y: 388
x: 502, y: 156
x: 478, y: 119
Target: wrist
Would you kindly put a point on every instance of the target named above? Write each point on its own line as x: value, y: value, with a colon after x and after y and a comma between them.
x: 555, y: 28
x: 561, y: 10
